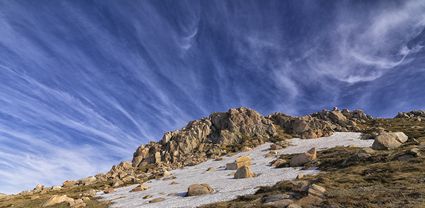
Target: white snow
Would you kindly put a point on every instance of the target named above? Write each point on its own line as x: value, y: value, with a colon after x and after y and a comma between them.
x: 227, y: 188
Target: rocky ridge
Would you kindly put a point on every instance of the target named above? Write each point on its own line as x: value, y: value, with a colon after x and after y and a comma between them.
x: 416, y: 114
x: 213, y: 137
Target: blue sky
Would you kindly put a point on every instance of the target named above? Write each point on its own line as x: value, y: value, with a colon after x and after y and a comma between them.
x: 83, y: 83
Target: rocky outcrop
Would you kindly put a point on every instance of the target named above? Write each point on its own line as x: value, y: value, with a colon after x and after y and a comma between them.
x: 417, y: 114
x: 206, y: 138
x: 320, y: 124
x: 304, y: 127
x: 344, y: 120
x: 199, y: 189
x: 389, y: 140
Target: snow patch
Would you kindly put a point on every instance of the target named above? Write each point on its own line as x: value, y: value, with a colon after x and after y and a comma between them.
x: 227, y: 188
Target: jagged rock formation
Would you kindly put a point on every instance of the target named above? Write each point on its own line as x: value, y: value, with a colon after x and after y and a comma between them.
x: 210, y: 137
x: 205, y: 138
x: 320, y: 124
x: 418, y: 114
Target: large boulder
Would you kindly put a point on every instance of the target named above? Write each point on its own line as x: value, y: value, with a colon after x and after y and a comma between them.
x: 199, y: 189
x: 303, y: 158
x: 55, y: 199
x: 389, y: 140
x: 239, y: 162
x: 244, y: 172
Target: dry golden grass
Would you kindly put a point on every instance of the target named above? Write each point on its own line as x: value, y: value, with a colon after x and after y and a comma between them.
x: 25, y: 201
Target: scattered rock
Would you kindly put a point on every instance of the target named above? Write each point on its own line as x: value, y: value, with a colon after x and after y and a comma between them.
x: 275, y: 197
x: 156, y: 200
x: 316, y: 191
x: 90, y: 193
x: 85, y: 199
x: 246, y: 149
x: 239, y: 162
x: 279, y: 163
x: 199, y: 189
x: 300, y: 176
x: 173, y: 183
x: 313, y: 153
x: 300, y: 185
x: 244, y: 172
x: 368, y: 150
x: 293, y: 206
x: 109, y: 190
x: 141, y: 187
x: 275, y: 147
x: 303, y: 158
x: 279, y: 203
x: 415, y: 152
x: 55, y: 199
x: 389, y: 140
x: 56, y: 188
x: 88, y: 180
x: 34, y: 197
x: 166, y: 173
x: 147, y: 197
x: 68, y: 184
x: 38, y: 188
x: 210, y: 169
x: 79, y: 203
x: 117, y: 183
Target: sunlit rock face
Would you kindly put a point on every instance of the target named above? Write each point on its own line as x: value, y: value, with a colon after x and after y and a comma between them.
x: 212, y: 136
